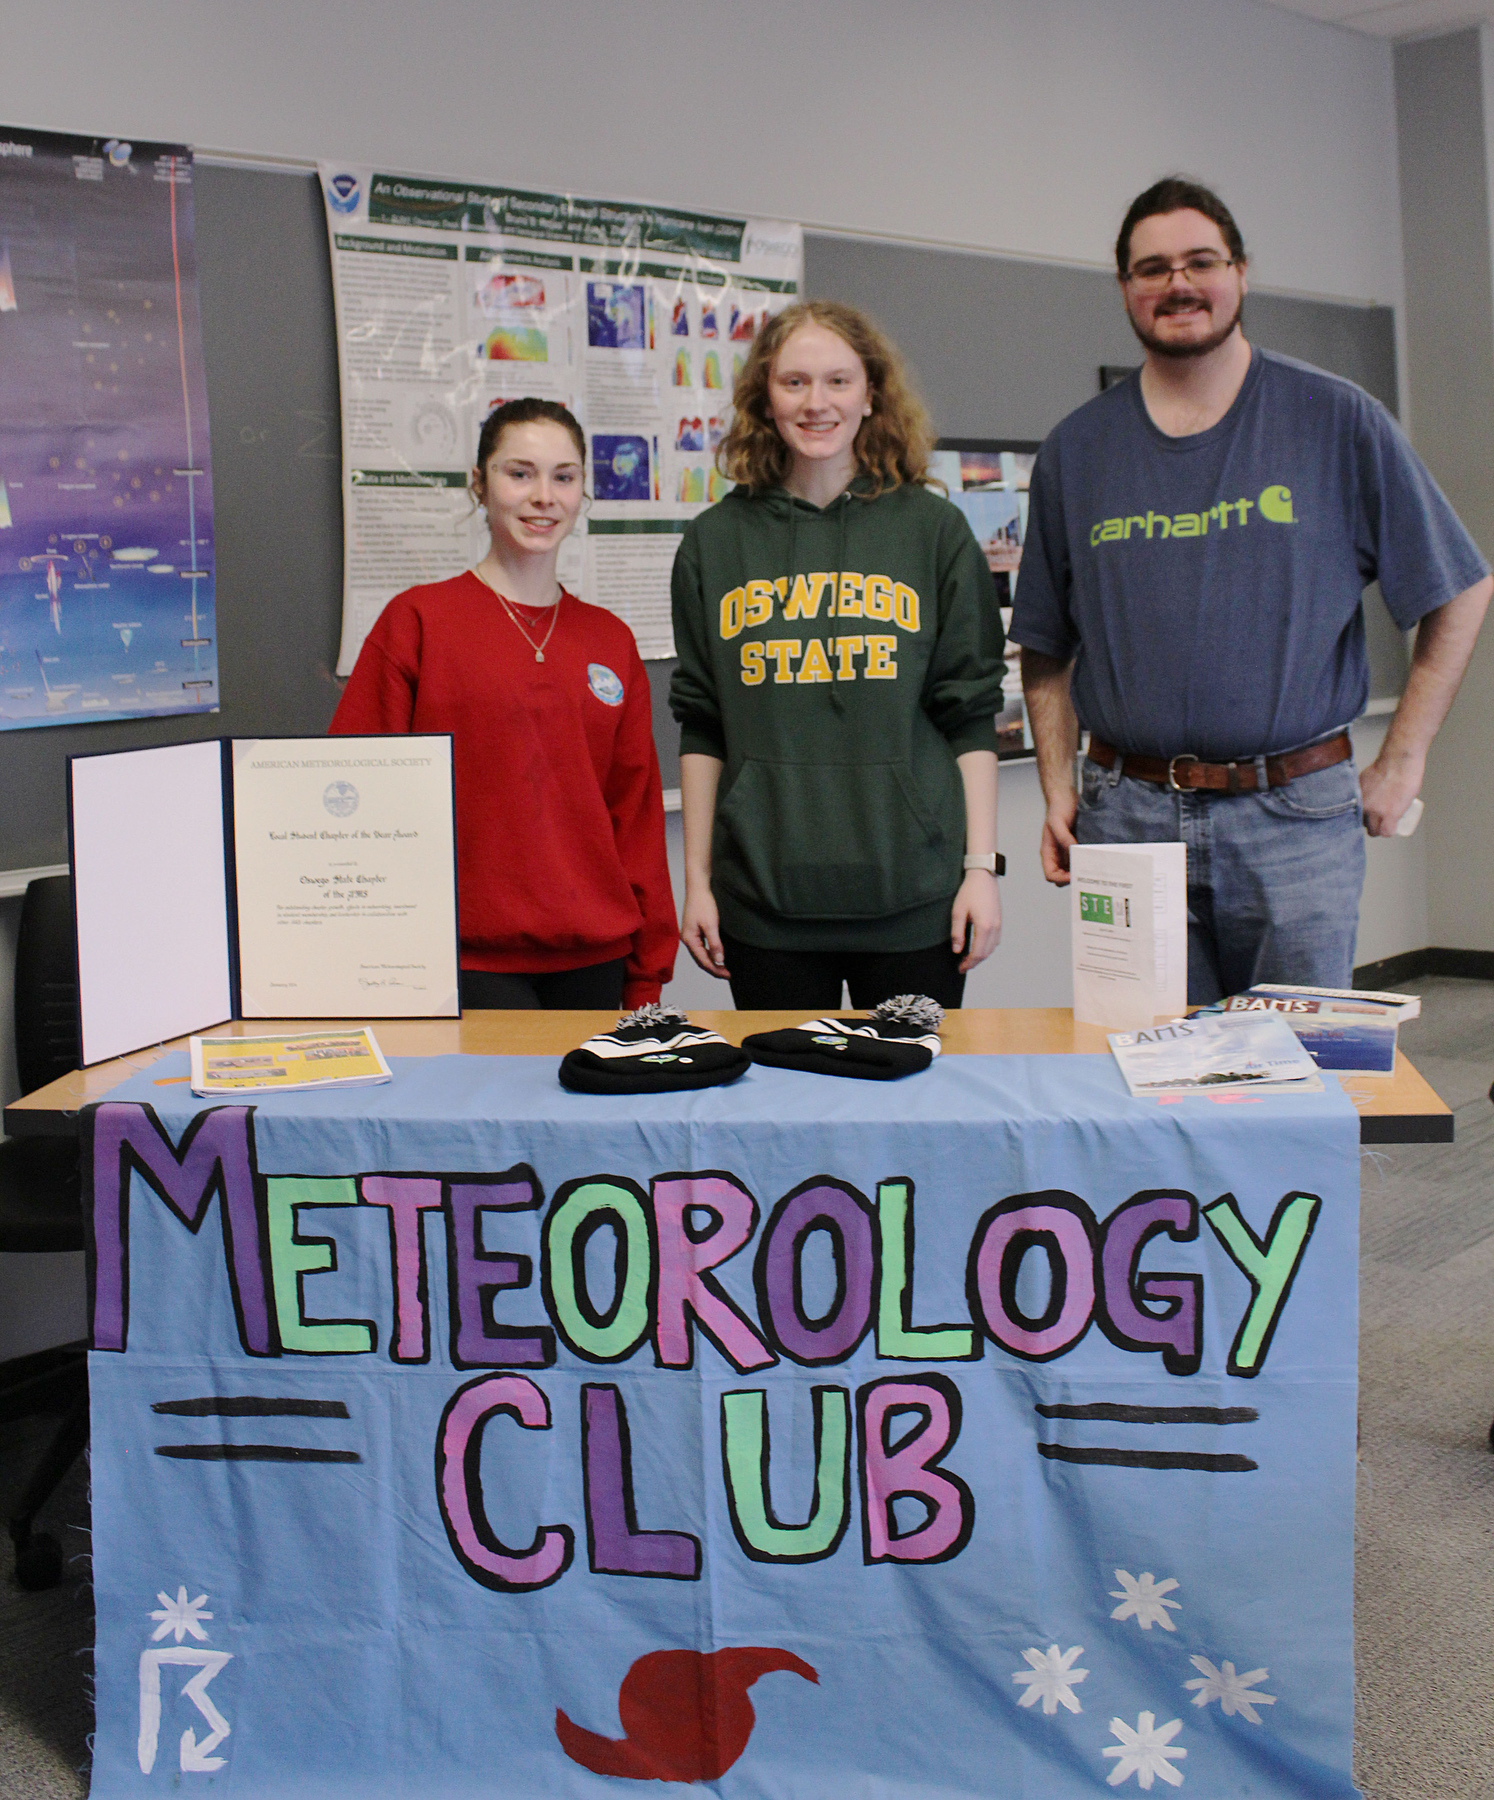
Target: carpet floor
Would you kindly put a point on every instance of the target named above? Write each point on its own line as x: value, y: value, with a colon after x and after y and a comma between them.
x: 1425, y: 1564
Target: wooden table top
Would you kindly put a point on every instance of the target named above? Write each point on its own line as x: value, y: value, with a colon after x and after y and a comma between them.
x: 1399, y: 1109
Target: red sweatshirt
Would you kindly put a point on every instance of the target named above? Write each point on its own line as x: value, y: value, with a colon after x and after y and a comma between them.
x: 560, y: 816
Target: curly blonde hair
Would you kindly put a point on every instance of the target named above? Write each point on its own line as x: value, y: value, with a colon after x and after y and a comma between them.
x: 893, y: 444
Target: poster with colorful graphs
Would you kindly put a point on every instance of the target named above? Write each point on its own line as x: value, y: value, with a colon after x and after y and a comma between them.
x: 106, y: 507
x: 453, y: 297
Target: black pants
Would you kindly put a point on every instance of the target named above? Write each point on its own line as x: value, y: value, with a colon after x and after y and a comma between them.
x: 596, y: 988
x: 779, y: 980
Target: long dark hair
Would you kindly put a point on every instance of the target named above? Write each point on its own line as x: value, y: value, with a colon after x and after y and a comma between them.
x: 528, y: 411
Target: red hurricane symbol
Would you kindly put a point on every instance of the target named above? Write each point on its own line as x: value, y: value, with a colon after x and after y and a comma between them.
x: 685, y: 1712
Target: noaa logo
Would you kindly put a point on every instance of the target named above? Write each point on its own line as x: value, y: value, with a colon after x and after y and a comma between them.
x: 604, y: 684
x: 341, y: 799
x: 831, y: 1043
x: 342, y: 193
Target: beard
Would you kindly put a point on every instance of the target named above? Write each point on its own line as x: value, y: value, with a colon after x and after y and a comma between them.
x: 1182, y: 351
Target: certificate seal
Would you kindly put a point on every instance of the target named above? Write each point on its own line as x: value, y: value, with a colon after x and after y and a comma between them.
x: 341, y: 799
x: 607, y: 687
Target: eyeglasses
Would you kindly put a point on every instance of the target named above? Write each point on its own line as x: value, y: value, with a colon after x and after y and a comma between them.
x: 1151, y: 276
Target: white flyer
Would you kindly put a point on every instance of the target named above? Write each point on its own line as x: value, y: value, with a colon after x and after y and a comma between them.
x: 345, y: 874
x: 1129, y: 921
x: 453, y: 296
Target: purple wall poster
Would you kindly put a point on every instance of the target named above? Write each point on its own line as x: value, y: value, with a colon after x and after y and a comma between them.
x: 106, y: 505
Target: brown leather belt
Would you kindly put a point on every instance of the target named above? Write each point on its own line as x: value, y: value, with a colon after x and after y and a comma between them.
x: 1185, y: 772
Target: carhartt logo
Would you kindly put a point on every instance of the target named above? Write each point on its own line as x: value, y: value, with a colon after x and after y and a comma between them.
x: 1274, y: 506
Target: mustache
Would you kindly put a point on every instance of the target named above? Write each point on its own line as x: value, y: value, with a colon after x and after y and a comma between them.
x: 1219, y: 330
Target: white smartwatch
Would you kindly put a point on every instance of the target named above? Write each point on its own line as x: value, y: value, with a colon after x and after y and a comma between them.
x: 992, y: 862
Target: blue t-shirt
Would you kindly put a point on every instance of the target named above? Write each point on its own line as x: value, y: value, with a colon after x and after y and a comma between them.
x: 1208, y: 587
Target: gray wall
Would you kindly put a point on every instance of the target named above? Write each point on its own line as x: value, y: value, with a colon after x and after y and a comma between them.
x: 1004, y: 348
x: 266, y: 290
x: 1016, y: 126
x: 1443, y: 119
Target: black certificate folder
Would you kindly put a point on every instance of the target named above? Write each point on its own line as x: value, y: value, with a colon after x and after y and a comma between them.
x: 262, y: 878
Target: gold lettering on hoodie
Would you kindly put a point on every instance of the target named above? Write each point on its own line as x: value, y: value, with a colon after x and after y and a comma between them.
x: 844, y: 594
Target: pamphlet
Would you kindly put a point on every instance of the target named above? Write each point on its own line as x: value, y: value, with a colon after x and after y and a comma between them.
x: 1129, y: 913
x: 287, y: 1065
x: 1216, y: 1053
x: 1338, y: 1031
x: 1406, y: 1006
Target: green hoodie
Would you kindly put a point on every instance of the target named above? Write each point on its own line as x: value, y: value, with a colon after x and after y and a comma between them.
x: 837, y: 661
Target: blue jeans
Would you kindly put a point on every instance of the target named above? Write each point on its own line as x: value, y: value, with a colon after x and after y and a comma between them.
x: 1273, y: 878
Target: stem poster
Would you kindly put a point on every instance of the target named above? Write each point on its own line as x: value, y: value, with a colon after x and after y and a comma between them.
x: 106, y: 508
x: 453, y: 297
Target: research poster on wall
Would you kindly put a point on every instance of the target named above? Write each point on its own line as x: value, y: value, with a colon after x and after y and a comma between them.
x: 453, y: 297
x: 106, y: 509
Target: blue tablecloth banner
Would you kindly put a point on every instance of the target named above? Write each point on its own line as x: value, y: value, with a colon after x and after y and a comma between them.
x: 988, y: 1433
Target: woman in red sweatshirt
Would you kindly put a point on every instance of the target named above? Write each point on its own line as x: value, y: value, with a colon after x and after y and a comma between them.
x: 562, y: 874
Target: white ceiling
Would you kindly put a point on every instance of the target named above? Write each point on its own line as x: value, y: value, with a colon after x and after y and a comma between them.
x: 1403, y: 18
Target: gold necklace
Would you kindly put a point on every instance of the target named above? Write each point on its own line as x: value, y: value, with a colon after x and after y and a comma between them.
x: 537, y: 648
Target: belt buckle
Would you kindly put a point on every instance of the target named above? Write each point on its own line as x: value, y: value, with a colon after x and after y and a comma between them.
x: 1172, y: 762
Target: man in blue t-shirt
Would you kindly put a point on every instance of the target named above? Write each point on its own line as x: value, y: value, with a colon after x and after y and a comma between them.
x: 1198, y: 544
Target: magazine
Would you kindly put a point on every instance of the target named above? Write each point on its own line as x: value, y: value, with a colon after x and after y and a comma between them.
x: 287, y: 1065
x: 1339, y: 1031
x: 1406, y: 1006
x: 1215, y: 1053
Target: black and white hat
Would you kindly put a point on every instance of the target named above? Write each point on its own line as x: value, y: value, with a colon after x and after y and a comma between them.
x: 899, y: 1038
x: 654, y: 1050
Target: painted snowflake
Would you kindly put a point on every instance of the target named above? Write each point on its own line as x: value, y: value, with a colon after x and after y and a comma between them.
x: 1235, y: 1693
x: 1141, y: 1598
x: 180, y: 1616
x: 1146, y: 1752
x: 1051, y: 1677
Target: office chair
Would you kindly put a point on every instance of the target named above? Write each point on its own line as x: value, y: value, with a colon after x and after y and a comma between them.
x: 41, y: 1210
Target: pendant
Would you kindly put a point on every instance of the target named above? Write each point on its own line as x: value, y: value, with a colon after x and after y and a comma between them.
x: 539, y: 656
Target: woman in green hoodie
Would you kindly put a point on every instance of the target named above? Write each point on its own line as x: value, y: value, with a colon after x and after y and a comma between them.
x: 840, y: 667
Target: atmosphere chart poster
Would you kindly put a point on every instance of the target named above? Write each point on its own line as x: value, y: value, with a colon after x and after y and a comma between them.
x: 106, y: 509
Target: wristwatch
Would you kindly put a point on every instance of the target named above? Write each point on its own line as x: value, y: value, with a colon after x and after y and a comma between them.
x: 993, y: 862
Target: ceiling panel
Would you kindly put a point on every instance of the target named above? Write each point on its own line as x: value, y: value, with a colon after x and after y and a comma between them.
x: 1402, y: 18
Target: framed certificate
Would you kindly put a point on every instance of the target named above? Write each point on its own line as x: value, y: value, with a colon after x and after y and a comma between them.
x: 345, y: 877
x: 262, y: 878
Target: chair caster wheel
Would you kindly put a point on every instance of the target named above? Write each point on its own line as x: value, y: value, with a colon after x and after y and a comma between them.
x: 39, y: 1562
